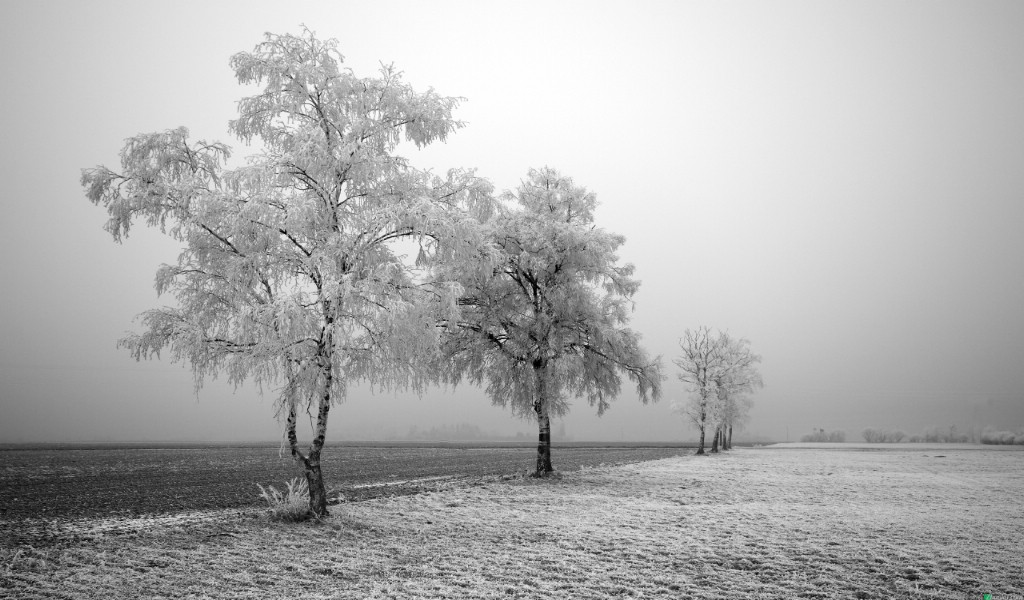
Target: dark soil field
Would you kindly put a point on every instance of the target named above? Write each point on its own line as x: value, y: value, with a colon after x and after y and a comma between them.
x: 72, y: 482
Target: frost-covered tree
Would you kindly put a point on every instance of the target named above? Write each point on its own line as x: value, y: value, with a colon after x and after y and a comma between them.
x: 698, y: 364
x: 720, y: 370
x: 544, y: 319
x: 735, y: 416
x: 289, y: 275
x: 736, y: 374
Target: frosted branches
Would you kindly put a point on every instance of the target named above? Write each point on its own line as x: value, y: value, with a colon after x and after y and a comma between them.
x: 555, y: 297
x: 719, y: 370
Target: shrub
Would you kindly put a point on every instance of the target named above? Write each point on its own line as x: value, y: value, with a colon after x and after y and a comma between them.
x: 878, y: 436
x: 872, y: 436
x: 991, y: 436
x: 817, y: 436
x: 291, y: 505
x: 945, y: 436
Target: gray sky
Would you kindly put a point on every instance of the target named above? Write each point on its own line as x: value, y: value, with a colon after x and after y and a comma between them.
x: 841, y: 183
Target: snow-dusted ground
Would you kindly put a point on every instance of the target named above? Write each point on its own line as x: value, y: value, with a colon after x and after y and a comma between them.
x: 902, y: 446
x: 753, y: 523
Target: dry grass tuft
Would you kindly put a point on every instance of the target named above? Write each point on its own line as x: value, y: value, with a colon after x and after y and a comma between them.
x: 290, y: 506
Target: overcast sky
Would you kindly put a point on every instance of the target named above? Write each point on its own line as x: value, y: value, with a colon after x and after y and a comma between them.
x: 840, y: 183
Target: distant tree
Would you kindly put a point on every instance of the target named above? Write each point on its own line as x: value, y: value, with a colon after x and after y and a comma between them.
x: 544, y: 317
x: 934, y: 434
x: 289, y: 273
x: 872, y: 435
x: 992, y: 436
x: 736, y: 374
x: 700, y: 362
x: 820, y: 436
x: 736, y: 416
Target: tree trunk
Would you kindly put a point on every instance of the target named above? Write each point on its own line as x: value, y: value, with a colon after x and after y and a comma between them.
x: 714, y: 442
x: 544, y: 467
x: 730, y: 436
x: 540, y: 405
x: 311, y: 462
x: 703, y: 416
x: 310, y: 468
x: 317, y: 490
x: 315, y: 478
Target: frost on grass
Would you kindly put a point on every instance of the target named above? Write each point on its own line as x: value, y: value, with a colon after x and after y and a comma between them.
x: 750, y: 524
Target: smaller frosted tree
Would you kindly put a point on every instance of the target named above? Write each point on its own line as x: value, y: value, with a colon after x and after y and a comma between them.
x: 720, y: 371
x: 736, y: 374
x: 543, y: 315
x: 699, y: 363
x: 736, y: 415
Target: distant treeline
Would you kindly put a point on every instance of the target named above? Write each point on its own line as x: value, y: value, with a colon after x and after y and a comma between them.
x: 944, y: 435
x: 467, y: 432
x: 991, y: 436
x: 931, y: 435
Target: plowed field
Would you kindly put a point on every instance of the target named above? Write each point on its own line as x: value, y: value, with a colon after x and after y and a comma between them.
x: 87, y: 482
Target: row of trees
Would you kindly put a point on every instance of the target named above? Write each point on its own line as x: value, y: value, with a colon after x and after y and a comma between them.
x: 721, y: 372
x: 293, y: 275
x: 930, y: 435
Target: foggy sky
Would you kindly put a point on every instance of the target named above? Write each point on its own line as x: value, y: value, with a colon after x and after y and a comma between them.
x: 840, y: 183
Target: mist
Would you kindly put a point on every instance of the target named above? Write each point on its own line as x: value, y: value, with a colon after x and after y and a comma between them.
x: 838, y: 183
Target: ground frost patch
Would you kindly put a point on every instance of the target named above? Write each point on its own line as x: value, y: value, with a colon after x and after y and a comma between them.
x: 752, y: 523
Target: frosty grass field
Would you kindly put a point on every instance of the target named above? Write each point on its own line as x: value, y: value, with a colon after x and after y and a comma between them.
x: 904, y: 521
